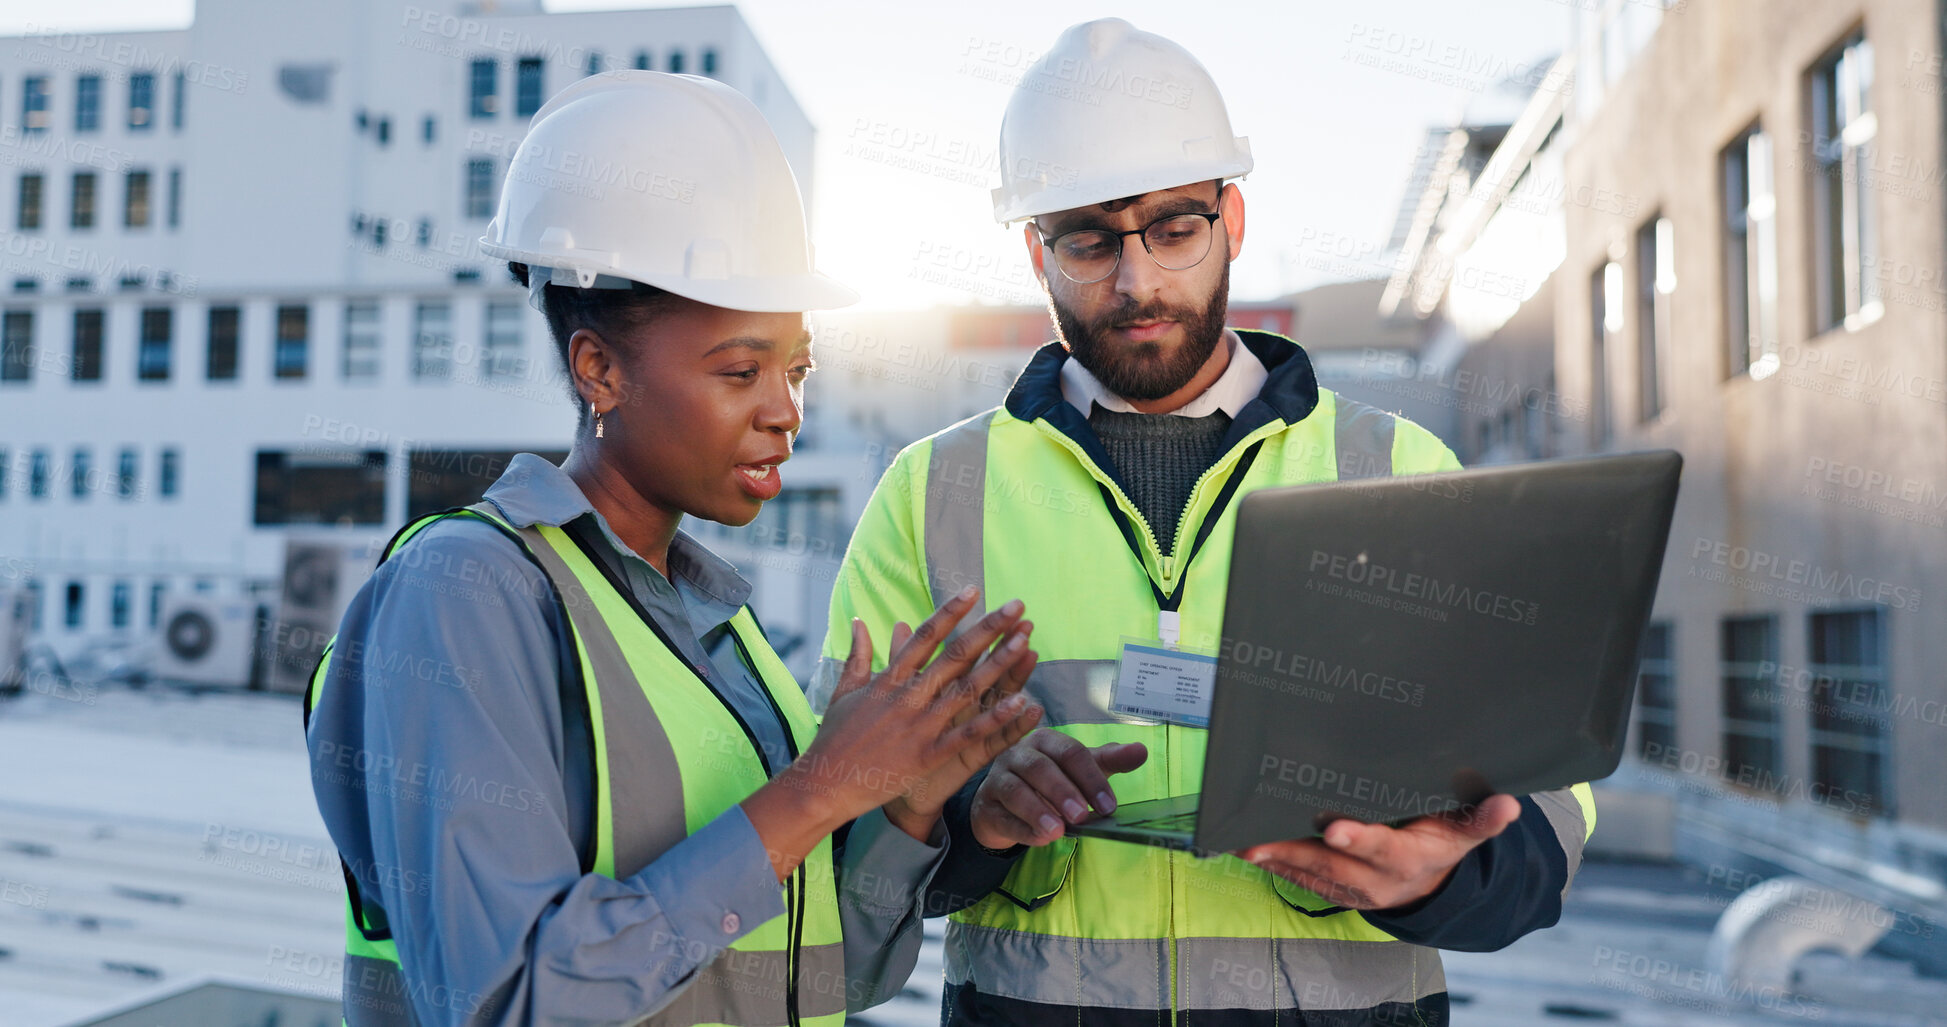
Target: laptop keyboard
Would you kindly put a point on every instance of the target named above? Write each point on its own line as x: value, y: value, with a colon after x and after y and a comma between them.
x: 1175, y: 822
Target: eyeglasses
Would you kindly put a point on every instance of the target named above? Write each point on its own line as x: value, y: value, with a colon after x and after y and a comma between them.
x: 1176, y: 243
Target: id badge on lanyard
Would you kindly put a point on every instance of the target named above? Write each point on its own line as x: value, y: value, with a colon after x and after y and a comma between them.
x: 1159, y: 678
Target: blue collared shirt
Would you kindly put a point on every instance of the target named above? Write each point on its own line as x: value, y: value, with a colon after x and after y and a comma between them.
x: 452, y: 788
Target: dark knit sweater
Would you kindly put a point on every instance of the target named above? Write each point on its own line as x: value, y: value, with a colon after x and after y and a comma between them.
x: 1160, y: 457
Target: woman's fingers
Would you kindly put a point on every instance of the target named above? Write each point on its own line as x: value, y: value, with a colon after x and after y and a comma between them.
x: 961, y: 654
x: 907, y: 659
x: 858, y: 663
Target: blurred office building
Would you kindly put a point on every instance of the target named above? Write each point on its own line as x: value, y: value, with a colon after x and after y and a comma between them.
x: 248, y: 332
x: 1470, y: 294
x: 1753, y: 277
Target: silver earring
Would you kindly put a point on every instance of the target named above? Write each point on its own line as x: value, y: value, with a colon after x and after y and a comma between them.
x: 598, y: 420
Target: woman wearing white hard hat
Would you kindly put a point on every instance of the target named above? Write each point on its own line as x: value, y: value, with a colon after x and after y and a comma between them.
x: 607, y: 800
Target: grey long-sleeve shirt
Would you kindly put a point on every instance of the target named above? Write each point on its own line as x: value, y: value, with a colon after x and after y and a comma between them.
x: 460, y: 801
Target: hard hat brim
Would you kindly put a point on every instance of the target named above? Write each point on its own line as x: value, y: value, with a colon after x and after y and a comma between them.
x: 778, y: 294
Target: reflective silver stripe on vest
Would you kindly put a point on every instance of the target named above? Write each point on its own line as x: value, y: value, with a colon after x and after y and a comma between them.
x: 1110, y: 974
x: 1362, y: 440
x: 1211, y: 973
x: 375, y: 994
x: 746, y: 989
x: 643, y: 772
x: 956, y: 513
x: 824, y: 683
x: 1075, y: 692
x: 1303, y: 973
x: 1571, y: 828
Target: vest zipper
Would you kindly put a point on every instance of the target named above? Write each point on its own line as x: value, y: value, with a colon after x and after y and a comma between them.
x: 1164, y: 563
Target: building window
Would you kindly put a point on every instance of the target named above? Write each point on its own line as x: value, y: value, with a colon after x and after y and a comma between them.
x: 1748, y: 647
x: 118, y: 605
x: 527, y: 86
x: 1850, y: 702
x: 16, y: 346
x: 125, y: 473
x: 87, y: 103
x: 344, y: 487
x: 1656, y: 695
x: 432, y: 340
x: 176, y: 104
x: 1656, y: 279
x: 1844, y: 237
x: 1750, y: 256
x: 360, y: 361
x: 428, y: 129
x: 81, y: 200
x: 152, y: 354
x: 480, y: 188
x: 292, y: 356
x: 643, y: 61
x: 33, y: 605
x: 220, y: 352
x: 6, y: 471
x: 83, y: 469
x: 501, y: 351
x: 37, y: 475
x: 676, y: 62
x: 422, y: 235
x: 87, y: 345
x: 594, y: 65
x: 28, y: 213
x: 141, y: 101
x: 172, y: 215
x: 710, y: 63
x: 384, y: 132
x: 34, y: 115
x: 135, y: 200
x: 439, y: 479
x: 156, y: 591
x: 1603, y: 314
x: 73, y: 607
x: 482, y: 85
x: 169, y: 473
x: 799, y: 521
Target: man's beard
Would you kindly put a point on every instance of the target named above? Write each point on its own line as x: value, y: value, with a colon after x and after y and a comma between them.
x: 1143, y: 371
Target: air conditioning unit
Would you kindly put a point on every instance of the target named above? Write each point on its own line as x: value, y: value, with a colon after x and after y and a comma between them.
x: 320, y: 578
x: 205, y: 640
x: 16, y: 614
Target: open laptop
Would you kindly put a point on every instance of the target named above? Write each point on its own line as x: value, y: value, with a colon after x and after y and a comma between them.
x: 1404, y: 646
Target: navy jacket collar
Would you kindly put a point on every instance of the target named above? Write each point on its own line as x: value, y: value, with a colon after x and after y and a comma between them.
x: 1290, y: 393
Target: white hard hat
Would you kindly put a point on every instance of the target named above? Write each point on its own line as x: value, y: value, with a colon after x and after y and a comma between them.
x: 1111, y: 111
x: 675, y: 181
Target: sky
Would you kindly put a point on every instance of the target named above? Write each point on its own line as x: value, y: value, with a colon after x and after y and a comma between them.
x: 907, y: 99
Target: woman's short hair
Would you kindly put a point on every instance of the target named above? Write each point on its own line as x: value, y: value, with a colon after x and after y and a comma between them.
x: 610, y: 313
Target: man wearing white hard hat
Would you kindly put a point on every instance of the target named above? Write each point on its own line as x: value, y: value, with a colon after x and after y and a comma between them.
x: 569, y: 780
x: 1102, y: 492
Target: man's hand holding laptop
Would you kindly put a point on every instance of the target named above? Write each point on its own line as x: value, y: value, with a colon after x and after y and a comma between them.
x: 1050, y: 779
